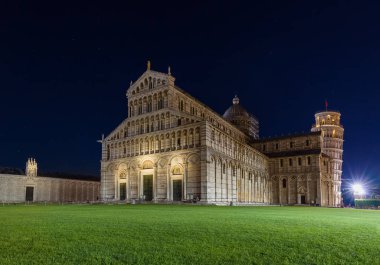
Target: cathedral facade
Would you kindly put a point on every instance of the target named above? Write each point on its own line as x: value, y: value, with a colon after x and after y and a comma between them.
x: 172, y: 147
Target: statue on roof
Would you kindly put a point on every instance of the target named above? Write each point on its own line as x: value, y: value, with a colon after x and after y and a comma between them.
x: 148, y: 65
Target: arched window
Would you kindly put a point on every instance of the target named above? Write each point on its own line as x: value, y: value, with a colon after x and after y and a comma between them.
x: 160, y: 103
x: 284, y: 183
x: 140, y: 109
x: 150, y: 83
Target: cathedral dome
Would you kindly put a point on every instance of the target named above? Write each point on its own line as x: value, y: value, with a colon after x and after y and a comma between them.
x: 235, y: 111
x: 242, y: 119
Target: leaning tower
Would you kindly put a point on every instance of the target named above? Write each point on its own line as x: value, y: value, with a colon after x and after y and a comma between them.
x: 332, y: 132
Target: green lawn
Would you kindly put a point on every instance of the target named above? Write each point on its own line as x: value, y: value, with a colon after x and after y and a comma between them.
x: 169, y: 234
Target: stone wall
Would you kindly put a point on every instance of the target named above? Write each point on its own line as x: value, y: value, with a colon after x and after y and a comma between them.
x: 13, y: 189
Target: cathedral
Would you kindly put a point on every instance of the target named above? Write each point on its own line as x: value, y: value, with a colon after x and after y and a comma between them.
x: 174, y: 148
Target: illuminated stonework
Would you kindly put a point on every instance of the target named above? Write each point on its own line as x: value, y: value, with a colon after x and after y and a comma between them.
x: 328, y: 122
x: 296, y: 168
x: 31, y: 168
x: 172, y: 147
x: 33, y: 188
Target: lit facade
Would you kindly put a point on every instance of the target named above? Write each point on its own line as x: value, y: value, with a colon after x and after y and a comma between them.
x: 172, y: 147
x: 328, y: 123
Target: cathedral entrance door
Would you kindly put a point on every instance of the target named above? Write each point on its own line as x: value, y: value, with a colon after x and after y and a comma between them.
x: 123, y: 191
x: 148, y: 187
x: 177, y: 190
x: 303, y: 199
x: 29, y: 194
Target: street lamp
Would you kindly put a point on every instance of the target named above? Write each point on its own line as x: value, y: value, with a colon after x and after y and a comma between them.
x: 358, y: 190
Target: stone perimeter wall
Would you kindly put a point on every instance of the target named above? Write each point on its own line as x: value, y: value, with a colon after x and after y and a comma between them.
x: 13, y: 189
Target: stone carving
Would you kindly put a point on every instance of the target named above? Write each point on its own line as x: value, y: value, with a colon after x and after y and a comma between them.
x: 301, y: 189
x: 162, y: 162
x: 194, y: 159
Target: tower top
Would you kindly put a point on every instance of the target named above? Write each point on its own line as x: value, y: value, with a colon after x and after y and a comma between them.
x: 326, y: 119
x: 235, y: 100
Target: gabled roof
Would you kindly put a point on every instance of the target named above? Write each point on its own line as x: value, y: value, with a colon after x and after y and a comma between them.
x: 150, y: 74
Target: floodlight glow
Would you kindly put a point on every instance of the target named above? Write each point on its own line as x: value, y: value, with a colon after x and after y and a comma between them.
x: 358, y: 189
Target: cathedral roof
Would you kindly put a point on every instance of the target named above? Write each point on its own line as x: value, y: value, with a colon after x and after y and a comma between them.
x: 290, y: 136
x: 316, y: 151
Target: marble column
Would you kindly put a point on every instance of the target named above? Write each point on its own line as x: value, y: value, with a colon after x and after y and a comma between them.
x: 184, y: 196
x: 154, y: 182
x: 168, y: 182
x: 279, y: 190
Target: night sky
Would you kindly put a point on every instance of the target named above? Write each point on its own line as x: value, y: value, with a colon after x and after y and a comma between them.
x: 64, y: 71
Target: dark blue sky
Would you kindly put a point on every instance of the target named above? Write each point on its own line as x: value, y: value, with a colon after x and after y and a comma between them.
x: 64, y: 70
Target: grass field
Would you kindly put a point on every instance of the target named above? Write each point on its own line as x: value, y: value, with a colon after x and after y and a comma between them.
x: 169, y: 234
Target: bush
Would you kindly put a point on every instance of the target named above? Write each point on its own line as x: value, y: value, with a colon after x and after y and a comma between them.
x: 367, y: 203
